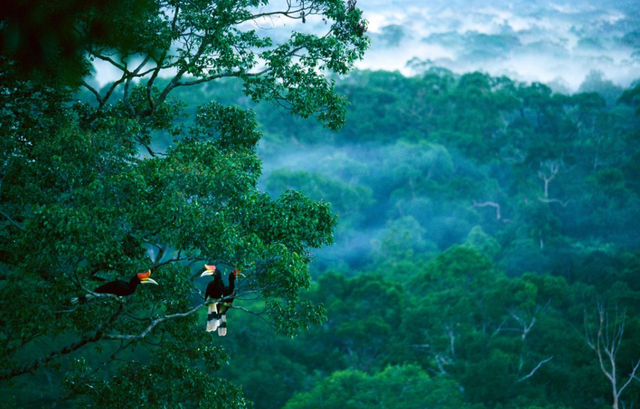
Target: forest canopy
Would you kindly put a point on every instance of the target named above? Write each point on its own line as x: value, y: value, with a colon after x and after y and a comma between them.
x: 485, y: 229
x: 487, y: 233
x: 86, y: 197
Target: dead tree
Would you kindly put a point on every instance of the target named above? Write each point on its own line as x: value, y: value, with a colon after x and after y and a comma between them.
x: 605, y: 342
x: 527, y: 319
x: 552, y: 168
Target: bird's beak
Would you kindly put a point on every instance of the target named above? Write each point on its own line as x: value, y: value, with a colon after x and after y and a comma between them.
x: 149, y: 281
x: 207, y: 273
x: 242, y: 275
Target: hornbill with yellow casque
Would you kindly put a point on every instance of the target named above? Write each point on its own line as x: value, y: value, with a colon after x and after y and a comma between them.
x: 222, y: 296
x: 120, y: 288
x: 214, y: 291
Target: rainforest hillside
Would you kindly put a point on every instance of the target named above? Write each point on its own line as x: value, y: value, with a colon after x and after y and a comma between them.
x: 203, y: 204
x: 485, y: 226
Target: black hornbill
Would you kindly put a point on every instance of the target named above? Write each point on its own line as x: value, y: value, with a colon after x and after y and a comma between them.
x: 216, y: 290
x: 120, y: 287
x: 226, y: 303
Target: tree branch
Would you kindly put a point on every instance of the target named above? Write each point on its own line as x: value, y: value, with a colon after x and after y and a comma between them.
x: 632, y: 376
x: 525, y: 327
x: 15, y: 223
x: 225, y: 75
x: 564, y: 204
x: 608, y: 339
x: 96, y: 336
x: 553, y: 168
x: 257, y: 314
x: 93, y: 90
x: 524, y: 378
x: 113, y: 87
x: 152, y: 325
x: 107, y: 59
x: 492, y: 204
x: 135, y: 73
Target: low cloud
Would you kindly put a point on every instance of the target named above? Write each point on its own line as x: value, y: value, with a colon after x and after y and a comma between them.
x: 539, y: 41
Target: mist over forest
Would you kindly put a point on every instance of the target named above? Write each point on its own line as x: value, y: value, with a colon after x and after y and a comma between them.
x: 543, y: 41
x: 407, y: 145
x: 388, y: 204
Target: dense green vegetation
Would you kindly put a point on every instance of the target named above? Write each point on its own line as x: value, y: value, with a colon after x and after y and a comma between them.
x: 483, y: 226
x: 486, y: 246
x: 86, y: 198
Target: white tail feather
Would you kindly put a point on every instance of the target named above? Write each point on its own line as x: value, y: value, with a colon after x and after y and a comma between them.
x: 222, y: 329
x: 212, y: 324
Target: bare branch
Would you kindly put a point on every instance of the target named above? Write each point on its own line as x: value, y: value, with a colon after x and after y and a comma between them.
x: 606, y: 342
x: 564, y: 204
x: 526, y: 327
x: 499, y: 328
x: 257, y: 314
x: 135, y: 73
x: 441, y: 362
x: 224, y: 75
x: 533, y: 371
x: 93, y: 91
x: 492, y: 204
x: 107, y: 59
x: 141, y: 65
x: 425, y: 346
x: 452, y: 341
x: 632, y: 376
x: 552, y: 168
x: 152, y: 325
x: 112, y: 88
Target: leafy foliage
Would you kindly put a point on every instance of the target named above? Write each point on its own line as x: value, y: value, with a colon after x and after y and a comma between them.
x: 482, y: 222
x: 92, y: 192
x: 501, y: 213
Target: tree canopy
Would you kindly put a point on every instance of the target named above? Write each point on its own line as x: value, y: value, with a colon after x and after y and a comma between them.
x: 87, y: 196
x: 485, y: 230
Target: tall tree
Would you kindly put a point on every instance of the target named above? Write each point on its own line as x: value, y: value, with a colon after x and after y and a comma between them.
x: 86, y: 195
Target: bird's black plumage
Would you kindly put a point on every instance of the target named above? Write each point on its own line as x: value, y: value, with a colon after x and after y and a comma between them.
x: 119, y: 287
x: 226, y: 304
x: 214, y: 292
x: 231, y: 288
x: 215, y: 289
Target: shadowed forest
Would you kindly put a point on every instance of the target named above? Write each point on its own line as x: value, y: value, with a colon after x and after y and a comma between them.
x: 442, y: 240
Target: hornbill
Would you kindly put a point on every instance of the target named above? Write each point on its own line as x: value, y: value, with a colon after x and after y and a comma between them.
x: 119, y: 287
x: 226, y: 303
x: 216, y: 290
